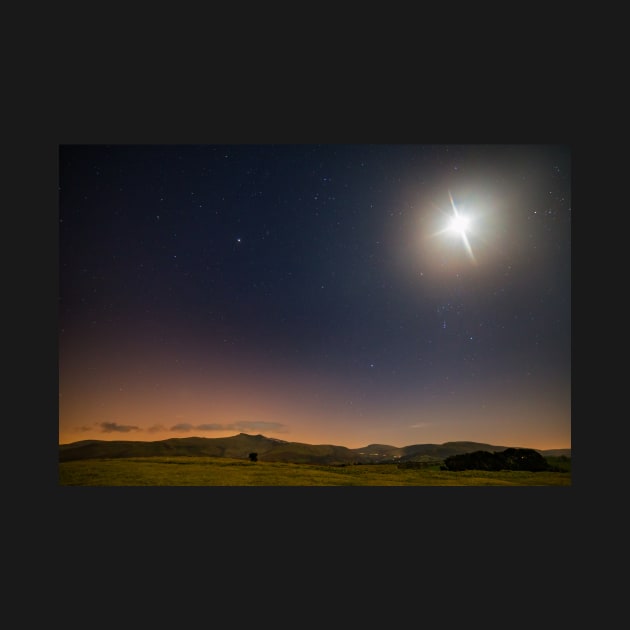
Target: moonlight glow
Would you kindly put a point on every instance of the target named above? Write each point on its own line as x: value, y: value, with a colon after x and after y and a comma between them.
x: 459, y: 224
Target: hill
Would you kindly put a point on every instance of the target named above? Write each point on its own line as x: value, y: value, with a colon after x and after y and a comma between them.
x: 274, y: 450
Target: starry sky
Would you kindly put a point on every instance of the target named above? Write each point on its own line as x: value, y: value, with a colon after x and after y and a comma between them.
x: 316, y: 293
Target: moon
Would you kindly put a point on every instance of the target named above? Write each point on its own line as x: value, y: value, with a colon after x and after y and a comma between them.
x: 459, y: 225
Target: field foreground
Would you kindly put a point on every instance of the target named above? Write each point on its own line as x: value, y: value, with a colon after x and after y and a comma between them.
x: 223, y: 471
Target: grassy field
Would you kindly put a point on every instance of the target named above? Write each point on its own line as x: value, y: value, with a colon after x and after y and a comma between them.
x: 222, y: 471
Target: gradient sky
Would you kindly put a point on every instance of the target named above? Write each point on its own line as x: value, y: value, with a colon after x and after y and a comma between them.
x: 313, y: 293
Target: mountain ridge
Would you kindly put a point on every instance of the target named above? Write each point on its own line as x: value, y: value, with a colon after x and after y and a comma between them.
x: 272, y: 449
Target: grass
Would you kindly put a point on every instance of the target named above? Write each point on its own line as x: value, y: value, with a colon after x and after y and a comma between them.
x: 223, y: 471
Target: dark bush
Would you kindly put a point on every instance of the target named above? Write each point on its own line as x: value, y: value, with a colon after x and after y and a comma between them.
x: 509, y: 459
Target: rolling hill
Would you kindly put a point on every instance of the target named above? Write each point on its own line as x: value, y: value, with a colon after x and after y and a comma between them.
x: 274, y: 450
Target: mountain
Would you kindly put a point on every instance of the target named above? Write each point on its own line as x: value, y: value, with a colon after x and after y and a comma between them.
x: 274, y: 450
x: 424, y: 452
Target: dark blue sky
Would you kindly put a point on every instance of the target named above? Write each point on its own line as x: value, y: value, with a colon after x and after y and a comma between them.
x: 309, y: 293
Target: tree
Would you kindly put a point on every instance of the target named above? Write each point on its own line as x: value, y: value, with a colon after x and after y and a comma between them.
x: 253, y: 457
x: 509, y: 459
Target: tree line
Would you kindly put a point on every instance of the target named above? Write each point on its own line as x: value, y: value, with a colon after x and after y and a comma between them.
x: 509, y: 459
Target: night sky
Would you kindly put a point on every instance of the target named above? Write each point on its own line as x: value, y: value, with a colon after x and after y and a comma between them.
x: 316, y: 293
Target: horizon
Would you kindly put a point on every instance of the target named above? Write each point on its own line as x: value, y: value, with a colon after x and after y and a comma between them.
x: 322, y: 294
x: 205, y: 437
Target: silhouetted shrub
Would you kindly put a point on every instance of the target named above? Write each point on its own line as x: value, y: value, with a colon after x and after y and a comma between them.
x: 253, y: 457
x: 509, y: 459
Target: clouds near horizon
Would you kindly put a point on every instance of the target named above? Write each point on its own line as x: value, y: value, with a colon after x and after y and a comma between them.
x: 114, y: 427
